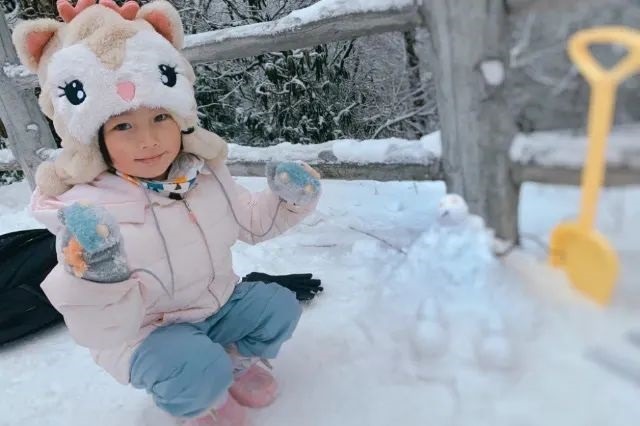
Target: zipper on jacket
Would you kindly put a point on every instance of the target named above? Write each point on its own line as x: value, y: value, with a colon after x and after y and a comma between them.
x: 194, y: 219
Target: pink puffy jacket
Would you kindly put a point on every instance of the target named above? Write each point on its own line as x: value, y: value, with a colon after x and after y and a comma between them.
x: 112, y: 319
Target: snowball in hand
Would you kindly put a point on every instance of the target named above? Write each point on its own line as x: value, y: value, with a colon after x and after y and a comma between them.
x: 452, y: 210
x: 294, y: 182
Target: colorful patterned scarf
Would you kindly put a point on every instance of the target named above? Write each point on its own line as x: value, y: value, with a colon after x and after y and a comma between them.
x: 181, y: 179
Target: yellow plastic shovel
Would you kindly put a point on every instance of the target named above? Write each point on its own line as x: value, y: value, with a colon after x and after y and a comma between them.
x: 586, y: 256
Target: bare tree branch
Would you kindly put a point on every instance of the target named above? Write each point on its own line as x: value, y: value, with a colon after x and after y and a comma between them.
x: 401, y: 118
x: 382, y: 240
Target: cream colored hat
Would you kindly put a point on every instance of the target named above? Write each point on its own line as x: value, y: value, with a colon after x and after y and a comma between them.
x: 102, y: 61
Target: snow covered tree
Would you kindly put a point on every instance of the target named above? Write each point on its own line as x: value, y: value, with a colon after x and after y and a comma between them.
x: 8, y: 6
x: 31, y: 9
x: 299, y: 96
x: 402, y: 101
x: 308, y: 94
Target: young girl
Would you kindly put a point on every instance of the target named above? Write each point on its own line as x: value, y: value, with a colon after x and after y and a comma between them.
x: 146, y: 212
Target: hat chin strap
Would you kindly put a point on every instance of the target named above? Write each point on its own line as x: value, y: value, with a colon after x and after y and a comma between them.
x: 204, y: 144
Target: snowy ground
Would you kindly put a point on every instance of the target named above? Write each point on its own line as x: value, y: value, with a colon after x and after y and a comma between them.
x: 394, y: 340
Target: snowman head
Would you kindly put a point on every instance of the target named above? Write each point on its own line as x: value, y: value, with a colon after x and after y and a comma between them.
x: 452, y: 210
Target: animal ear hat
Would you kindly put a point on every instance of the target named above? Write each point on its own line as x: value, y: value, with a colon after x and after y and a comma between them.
x: 101, y: 61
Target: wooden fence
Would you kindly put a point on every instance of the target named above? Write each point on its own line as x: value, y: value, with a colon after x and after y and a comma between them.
x: 467, y: 49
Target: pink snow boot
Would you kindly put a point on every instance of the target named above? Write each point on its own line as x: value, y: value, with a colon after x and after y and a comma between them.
x: 229, y: 414
x: 254, y: 386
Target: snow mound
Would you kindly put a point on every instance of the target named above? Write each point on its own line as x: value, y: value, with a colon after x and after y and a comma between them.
x: 417, y: 325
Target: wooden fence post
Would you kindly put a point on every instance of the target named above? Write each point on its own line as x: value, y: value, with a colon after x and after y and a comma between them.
x: 27, y: 129
x: 467, y: 50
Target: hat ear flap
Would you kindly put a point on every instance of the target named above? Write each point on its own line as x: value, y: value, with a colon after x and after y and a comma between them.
x: 48, y: 181
x: 73, y: 165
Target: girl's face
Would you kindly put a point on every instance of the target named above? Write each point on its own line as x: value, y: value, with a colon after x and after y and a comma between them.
x: 143, y: 142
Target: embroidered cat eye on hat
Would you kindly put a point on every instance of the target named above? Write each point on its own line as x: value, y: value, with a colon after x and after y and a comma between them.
x: 101, y: 61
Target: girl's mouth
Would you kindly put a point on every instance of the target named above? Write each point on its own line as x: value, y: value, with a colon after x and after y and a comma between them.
x: 151, y: 160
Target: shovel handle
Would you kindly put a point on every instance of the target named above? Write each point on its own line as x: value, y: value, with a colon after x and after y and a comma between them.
x: 592, y: 70
x: 604, y: 83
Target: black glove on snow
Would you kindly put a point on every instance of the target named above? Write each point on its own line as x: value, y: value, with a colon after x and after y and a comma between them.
x: 303, y: 285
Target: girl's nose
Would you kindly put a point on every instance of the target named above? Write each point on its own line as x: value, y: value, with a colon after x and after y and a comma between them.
x: 148, y: 141
x: 126, y: 90
x: 147, y: 137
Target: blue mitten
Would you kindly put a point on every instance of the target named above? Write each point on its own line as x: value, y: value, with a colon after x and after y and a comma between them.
x: 295, y: 182
x: 92, y: 245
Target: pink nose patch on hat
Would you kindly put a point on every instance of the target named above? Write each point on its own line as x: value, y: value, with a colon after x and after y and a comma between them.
x: 126, y: 90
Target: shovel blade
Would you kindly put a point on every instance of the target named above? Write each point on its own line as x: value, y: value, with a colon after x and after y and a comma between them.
x: 587, y: 258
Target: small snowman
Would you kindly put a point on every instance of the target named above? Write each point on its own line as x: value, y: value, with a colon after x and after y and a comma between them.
x: 454, y: 253
x: 458, y: 246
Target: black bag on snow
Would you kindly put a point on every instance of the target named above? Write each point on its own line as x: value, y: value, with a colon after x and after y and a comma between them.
x: 26, y: 258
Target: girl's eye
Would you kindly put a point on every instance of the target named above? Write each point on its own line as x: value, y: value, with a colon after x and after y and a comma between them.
x: 122, y: 126
x: 161, y: 117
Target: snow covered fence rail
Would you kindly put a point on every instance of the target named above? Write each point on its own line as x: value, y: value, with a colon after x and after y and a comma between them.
x: 544, y: 157
x: 555, y: 6
x: 381, y: 160
x: 323, y: 22
x: 557, y: 157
